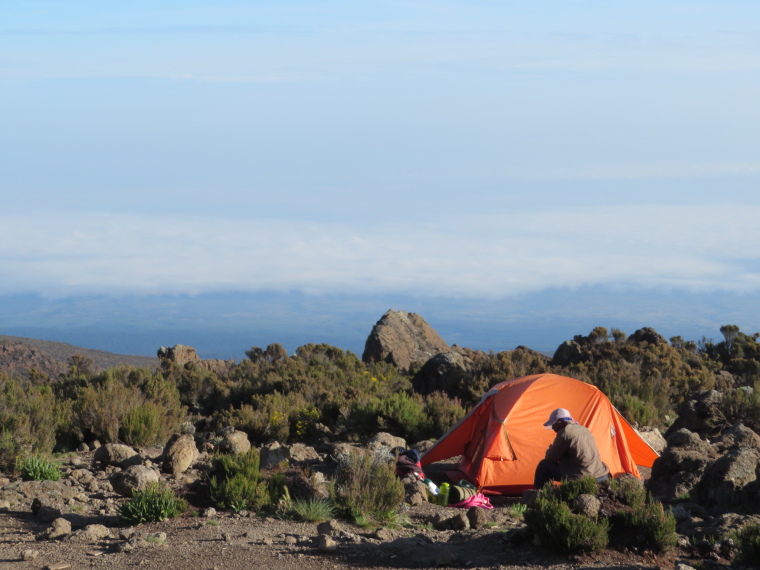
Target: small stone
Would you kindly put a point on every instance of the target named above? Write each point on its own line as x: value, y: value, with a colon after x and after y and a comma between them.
x: 445, y: 558
x: 384, y: 534
x: 460, y: 521
x: 478, y: 517
x: 329, y: 527
x: 60, y: 528
x: 29, y: 555
x: 159, y: 537
x: 48, y: 514
x: 326, y: 543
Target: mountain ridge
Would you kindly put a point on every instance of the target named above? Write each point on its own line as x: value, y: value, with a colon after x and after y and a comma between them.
x: 21, y: 354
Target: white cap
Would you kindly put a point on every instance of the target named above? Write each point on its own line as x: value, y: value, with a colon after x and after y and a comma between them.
x: 558, y: 414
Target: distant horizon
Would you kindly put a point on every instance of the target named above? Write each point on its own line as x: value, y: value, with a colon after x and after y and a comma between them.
x: 229, y: 174
x: 226, y: 325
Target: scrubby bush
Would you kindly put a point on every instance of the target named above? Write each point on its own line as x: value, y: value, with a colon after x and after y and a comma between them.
x: 366, y: 487
x: 31, y: 418
x: 115, y: 402
x: 38, y: 468
x: 154, y: 504
x: 748, y: 545
x: 739, y: 405
x: 650, y: 521
x: 571, y: 490
x: 629, y: 491
x: 562, y: 531
x: 145, y: 424
x: 236, y: 482
x: 441, y: 414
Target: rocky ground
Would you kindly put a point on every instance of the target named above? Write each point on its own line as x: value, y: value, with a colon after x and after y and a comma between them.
x: 73, y: 523
x: 227, y: 541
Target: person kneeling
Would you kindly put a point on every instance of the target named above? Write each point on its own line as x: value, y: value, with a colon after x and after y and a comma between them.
x: 572, y: 455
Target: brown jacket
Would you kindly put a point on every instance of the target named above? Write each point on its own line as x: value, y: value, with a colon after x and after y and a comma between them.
x: 575, y: 450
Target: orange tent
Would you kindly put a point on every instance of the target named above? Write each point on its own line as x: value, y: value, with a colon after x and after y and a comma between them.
x: 503, y: 438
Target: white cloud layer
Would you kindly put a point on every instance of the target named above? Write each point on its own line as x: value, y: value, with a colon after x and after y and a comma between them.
x: 701, y: 247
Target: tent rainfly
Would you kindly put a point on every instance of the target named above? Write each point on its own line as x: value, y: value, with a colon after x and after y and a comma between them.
x: 502, y: 439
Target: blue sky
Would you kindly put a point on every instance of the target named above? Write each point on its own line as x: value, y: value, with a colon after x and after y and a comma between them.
x: 474, y: 155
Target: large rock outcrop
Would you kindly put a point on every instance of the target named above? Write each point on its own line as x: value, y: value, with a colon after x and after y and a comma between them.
x: 441, y: 373
x: 187, y: 356
x: 402, y: 339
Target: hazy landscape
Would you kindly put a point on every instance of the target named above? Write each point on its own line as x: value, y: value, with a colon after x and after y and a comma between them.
x: 316, y: 224
x: 287, y: 420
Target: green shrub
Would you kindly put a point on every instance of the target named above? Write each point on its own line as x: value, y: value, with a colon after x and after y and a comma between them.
x: 570, y: 490
x: 154, y: 504
x: 629, y: 491
x: 738, y: 405
x: 277, y: 489
x: 102, y: 406
x: 563, y: 531
x: 130, y: 403
x: 366, y: 485
x: 38, y: 468
x: 441, y: 413
x: 31, y: 418
x: 312, y: 510
x: 145, y: 424
x: 398, y: 413
x: 517, y: 511
x: 748, y: 545
x: 236, y: 482
x: 655, y: 526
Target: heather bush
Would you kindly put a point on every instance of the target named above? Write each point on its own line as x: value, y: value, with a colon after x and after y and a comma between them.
x: 115, y: 402
x: 562, y: 531
x: 655, y: 527
x: 145, y: 424
x: 267, y: 417
x: 199, y: 389
x: 236, y: 482
x: 31, y: 418
x: 748, y: 545
x: 571, y: 490
x: 101, y: 408
x: 739, y: 405
x: 441, y: 413
x: 366, y: 487
x: 629, y: 490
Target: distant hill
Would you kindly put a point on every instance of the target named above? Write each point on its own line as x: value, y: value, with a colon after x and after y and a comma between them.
x: 18, y: 355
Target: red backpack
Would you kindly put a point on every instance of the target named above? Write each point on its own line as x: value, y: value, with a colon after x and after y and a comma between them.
x: 408, y: 462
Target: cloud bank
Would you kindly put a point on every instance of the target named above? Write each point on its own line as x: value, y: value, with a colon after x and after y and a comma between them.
x: 696, y: 248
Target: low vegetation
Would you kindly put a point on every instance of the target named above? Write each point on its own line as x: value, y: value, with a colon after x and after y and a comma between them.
x: 236, y: 482
x: 366, y: 488
x: 312, y: 510
x: 639, y: 521
x: 294, y: 398
x: 154, y: 504
x: 748, y: 543
x: 38, y: 468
